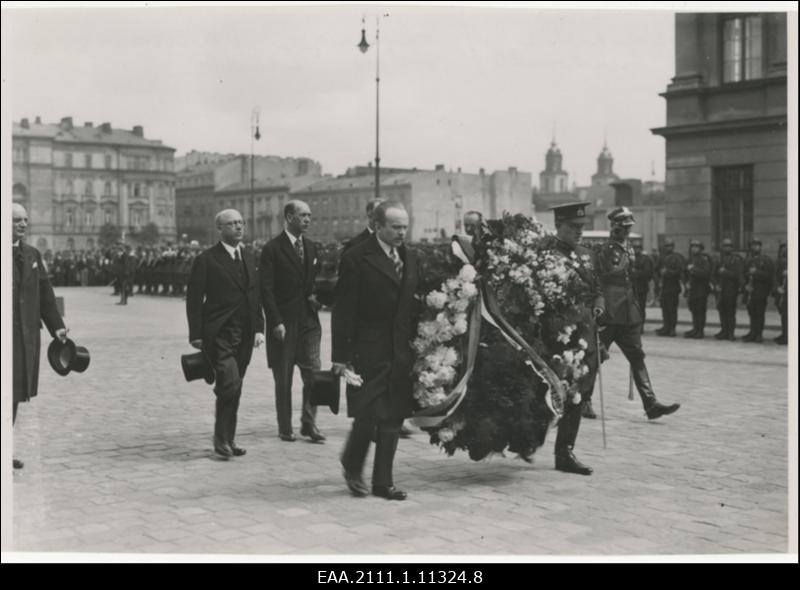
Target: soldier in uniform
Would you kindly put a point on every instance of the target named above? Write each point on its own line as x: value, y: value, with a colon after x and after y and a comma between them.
x: 642, y: 274
x: 569, y: 220
x: 760, y: 273
x: 669, y: 271
x: 781, y: 292
x: 697, y: 277
x: 727, y: 280
x: 622, y: 317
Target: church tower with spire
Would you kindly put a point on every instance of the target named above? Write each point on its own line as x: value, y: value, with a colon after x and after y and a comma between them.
x: 605, y: 168
x: 553, y: 179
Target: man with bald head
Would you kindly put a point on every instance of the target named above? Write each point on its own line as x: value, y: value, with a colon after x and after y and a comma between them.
x: 288, y: 269
x: 34, y: 303
x: 225, y: 321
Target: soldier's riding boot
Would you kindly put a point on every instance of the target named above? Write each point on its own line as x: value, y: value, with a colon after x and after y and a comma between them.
x: 565, y: 442
x: 652, y: 407
x: 587, y: 411
x: 673, y: 321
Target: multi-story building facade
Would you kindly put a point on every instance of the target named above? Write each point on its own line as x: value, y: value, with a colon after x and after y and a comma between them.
x: 212, y: 182
x: 726, y: 140
x: 73, y: 180
x: 435, y: 199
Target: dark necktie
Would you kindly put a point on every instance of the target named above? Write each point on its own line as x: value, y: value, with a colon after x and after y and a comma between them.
x: 239, y: 263
x: 18, y: 260
x: 298, y: 247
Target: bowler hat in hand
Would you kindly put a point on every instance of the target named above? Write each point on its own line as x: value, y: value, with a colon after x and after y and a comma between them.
x: 325, y: 391
x: 196, y: 366
x: 66, y: 356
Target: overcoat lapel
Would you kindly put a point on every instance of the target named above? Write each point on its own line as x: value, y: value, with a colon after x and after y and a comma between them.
x: 375, y: 255
x: 228, y: 263
x: 288, y: 250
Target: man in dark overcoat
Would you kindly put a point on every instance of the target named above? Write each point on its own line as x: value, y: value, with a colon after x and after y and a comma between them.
x: 372, y: 329
x: 288, y: 271
x: 34, y: 303
x: 225, y: 321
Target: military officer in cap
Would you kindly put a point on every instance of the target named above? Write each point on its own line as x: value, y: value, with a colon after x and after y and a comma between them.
x: 727, y: 279
x: 622, y: 317
x: 570, y: 219
x: 697, y: 277
x: 642, y: 274
x: 669, y: 271
x: 760, y: 273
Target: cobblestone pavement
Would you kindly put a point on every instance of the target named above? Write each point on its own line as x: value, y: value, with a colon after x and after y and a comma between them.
x: 119, y: 459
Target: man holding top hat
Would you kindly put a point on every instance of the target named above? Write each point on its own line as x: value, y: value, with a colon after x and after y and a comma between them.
x: 34, y: 302
x: 225, y: 321
x: 622, y: 317
x: 569, y: 220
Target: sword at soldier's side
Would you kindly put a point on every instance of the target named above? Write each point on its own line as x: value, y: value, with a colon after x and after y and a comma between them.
x: 600, y: 383
x: 630, y: 384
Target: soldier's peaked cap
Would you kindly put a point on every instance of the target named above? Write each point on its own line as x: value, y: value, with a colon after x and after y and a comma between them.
x: 571, y: 212
x: 621, y: 216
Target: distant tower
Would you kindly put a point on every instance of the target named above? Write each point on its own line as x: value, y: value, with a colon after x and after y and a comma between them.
x: 553, y: 179
x: 605, y: 168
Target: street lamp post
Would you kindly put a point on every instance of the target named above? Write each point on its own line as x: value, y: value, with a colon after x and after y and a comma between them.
x: 255, y: 135
x: 364, y: 46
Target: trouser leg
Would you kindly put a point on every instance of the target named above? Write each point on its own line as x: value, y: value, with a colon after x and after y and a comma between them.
x: 283, y: 374
x: 388, y: 433
x: 309, y: 413
x: 355, y: 449
x: 308, y: 353
x: 14, y: 414
x: 629, y: 341
x: 568, y: 428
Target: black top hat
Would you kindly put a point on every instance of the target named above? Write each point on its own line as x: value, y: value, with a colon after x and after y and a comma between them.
x: 66, y: 356
x: 326, y: 391
x: 196, y: 366
x: 571, y: 212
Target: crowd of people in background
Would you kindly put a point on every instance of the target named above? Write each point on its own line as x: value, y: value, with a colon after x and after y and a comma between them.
x: 661, y: 277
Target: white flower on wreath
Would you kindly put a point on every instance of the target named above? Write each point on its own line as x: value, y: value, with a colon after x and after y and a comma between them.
x: 436, y: 299
x: 467, y: 274
x: 460, y: 325
x: 569, y: 357
x: 583, y: 344
x: 446, y: 434
x: 469, y: 290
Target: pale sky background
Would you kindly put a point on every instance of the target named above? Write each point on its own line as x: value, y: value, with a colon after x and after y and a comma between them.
x: 466, y: 87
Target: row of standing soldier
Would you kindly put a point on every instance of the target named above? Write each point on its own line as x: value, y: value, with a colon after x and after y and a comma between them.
x: 728, y: 276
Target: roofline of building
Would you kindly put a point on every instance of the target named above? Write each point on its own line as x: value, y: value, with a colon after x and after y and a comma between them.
x: 728, y: 126
x: 54, y: 139
x: 349, y: 188
x: 725, y: 88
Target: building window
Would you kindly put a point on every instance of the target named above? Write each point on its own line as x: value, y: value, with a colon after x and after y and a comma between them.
x: 89, y: 219
x: 137, y: 190
x: 742, y: 55
x: 107, y: 189
x: 137, y: 218
x: 19, y: 154
x: 89, y: 189
x: 107, y: 217
x: 108, y: 161
x: 68, y: 160
x: 68, y: 219
x: 87, y: 159
x: 733, y: 205
x: 70, y: 188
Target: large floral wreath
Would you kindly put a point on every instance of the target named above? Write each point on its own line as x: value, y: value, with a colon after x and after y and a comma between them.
x: 480, y: 390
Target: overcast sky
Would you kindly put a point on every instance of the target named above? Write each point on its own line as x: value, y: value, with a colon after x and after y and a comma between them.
x: 465, y: 87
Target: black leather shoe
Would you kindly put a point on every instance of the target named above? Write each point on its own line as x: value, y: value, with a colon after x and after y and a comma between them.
x: 312, y: 432
x: 698, y: 335
x: 732, y: 338
x: 757, y: 339
x: 287, y: 437
x: 661, y: 331
x: 747, y: 337
x: 389, y: 492
x: 721, y: 336
x: 223, y: 451
x: 690, y: 334
x: 780, y: 340
x: 658, y: 409
x: 237, y: 451
x: 587, y: 411
x: 567, y: 462
x: 355, y: 484
x: 18, y: 464
x: 671, y: 334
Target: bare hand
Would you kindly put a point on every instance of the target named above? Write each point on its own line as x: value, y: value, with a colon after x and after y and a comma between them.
x: 61, y: 334
x: 339, y: 368
x: 315, y: 305
x: 279, y: 332
x: 259, y: 340
x: 198, y: 344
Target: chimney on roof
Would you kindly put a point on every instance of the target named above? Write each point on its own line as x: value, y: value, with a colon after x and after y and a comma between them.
x: 440, y: 167
x: 482, y: 172
x: 106, y: 127
x: 512, y: 169
x: 138, y: 131
x: 38, y: 120
x: 66, y: 123
x: 25, y: 123
x: 88, y: 124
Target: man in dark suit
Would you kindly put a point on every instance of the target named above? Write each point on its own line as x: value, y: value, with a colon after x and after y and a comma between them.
x: 288, y: 271
x: 34, y: 303
x: 225, y: 321
x: 372, y: 329
x: 622, y: 316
